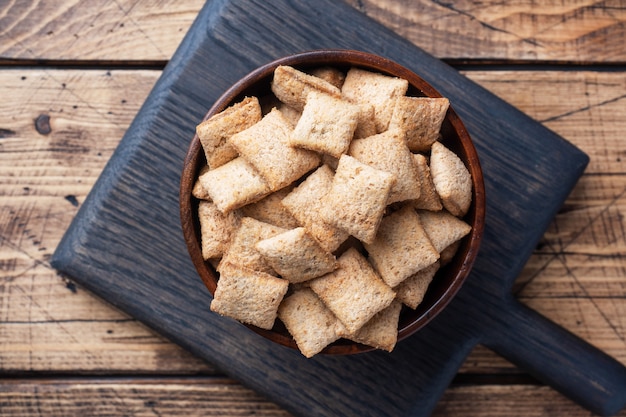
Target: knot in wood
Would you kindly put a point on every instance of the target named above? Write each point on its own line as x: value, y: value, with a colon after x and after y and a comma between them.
x: 42, y: 124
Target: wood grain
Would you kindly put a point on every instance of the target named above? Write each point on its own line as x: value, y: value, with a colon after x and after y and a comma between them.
x: 223, y: 397
x: 585, y: 107
x: 94, y: 29
x: 48, y: 323
x: 132, y: 396
x: 114, y: 227
x: 150, y: 30
x: 558, y: 30
x: 506, y: 401
x: 59, y: 127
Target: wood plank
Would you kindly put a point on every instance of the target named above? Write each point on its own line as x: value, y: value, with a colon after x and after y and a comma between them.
x: 507, y: 401
x: 95, y: 29
x: 223, y: 397
x: 556, y: 30
x: 584, y: 249
x: 585, y: 107
x: 576, y: 275
x: 136, y: 397
x: 47, y: 323
x: 58, y: 131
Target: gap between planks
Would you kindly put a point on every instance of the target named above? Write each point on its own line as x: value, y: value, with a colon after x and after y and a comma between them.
x: 461, y: 64
x: 72, y: 378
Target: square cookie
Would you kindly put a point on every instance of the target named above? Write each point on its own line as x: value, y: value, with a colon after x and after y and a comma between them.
x: 270, y: 210
x: 443, y: 229
x: 311, y: 324
x: 296, y: 256
x: 242, y: 250
x: 233, y: 185
x: 452, y: 179
x: 353, y: 292
x: 357, y: 198
x: 381, y: 331
x: 216, y: 229
x: 411, y: 291
x: 401, y: 247
x: 428, y: 199
x: 249, y: 296
x: 292, y: 86
x: 388, y: 152
x: 305, y: 203
x: 420, y: 118
x: 265, y: 145
x: 215, y: 131
x: 327, y: 124
x: 378, y: 90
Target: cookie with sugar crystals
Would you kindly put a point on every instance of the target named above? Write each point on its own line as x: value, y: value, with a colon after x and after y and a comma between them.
x: 249, y: 296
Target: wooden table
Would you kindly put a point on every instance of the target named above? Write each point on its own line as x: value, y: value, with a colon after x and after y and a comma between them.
x: 73, y: 74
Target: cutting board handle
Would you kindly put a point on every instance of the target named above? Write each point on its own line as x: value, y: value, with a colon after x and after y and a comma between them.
x: 558, y: 358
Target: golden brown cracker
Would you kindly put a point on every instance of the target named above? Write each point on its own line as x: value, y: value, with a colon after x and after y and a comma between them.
x: 357, y: 198
x: 353, y: 292
x: 379, y: 90
x: 387, y: 152
x: 401, y: 247
x: 296, y: 256
x: 420, y: 118
x: 265, y: 145
x: 249, y: 296
x: 215, y: 131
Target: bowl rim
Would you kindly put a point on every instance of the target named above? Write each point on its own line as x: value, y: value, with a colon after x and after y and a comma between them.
x: 346, y: 58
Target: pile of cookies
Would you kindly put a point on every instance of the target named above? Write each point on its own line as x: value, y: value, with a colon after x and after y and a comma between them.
x: 329, y: 204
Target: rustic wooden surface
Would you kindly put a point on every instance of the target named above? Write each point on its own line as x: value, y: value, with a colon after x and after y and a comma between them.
x: 74, y: 74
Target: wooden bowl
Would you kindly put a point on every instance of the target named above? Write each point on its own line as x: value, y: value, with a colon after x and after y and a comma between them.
x: 448, y: 279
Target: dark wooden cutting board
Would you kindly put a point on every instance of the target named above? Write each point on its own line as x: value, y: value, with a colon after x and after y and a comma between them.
x: 126, y: 243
